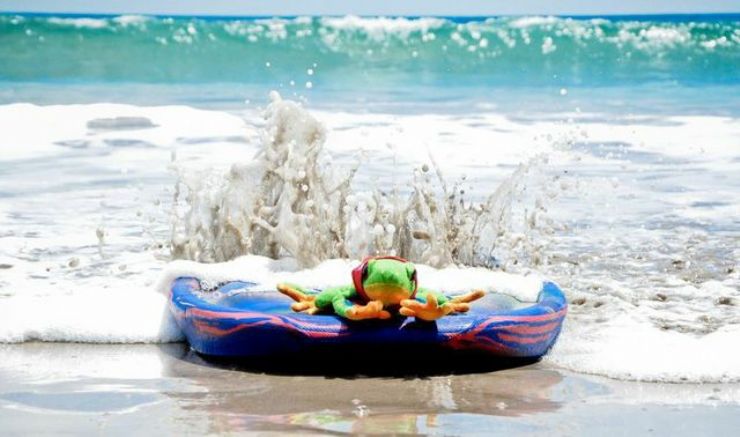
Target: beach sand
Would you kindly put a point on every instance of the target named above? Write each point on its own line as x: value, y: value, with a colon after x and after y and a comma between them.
x: 167, y: 389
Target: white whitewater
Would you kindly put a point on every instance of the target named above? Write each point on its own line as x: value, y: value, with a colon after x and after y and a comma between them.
x: 636, y: 218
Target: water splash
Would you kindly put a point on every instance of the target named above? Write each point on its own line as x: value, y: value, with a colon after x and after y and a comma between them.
x: 291, y: 200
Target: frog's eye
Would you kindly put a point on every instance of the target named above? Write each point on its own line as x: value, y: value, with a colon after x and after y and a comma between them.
x: 411, y: 270
x: 365, y: 269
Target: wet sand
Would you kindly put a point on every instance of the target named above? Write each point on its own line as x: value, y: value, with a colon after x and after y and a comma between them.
x: 53, y: 388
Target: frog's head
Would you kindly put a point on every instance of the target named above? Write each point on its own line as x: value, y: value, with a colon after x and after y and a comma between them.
x: 388, y: 279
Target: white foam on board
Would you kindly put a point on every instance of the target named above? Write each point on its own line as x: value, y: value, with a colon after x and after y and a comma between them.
x: 139, y: 313
x: 268, y: 272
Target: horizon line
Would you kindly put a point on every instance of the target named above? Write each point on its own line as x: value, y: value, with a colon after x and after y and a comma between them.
x: 728, y: 15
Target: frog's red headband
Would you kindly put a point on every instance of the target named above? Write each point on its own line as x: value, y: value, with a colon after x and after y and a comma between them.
x: 360, y: 272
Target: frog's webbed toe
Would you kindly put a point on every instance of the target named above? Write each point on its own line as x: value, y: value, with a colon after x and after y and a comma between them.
x: 304, y: 303
x: 459, y: 307
x: 469, y: 297
x: 308, y: 307
x: 371, y: 310
x: 429, y: 310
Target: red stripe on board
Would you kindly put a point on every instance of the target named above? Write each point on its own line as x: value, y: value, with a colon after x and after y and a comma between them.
x: 518, y: 319
x: 308, y: 329
x: 530, y: 319
x: 528, y: 330
x: 204, y: 327
x: 525, y: 340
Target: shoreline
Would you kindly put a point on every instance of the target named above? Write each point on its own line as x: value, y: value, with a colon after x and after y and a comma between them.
x: 167, y: 388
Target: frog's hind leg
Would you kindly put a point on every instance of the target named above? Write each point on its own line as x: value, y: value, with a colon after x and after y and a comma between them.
x: 304, y: 302
x: 461, y: 304
x: 427, y: 306
x: 431, y: 305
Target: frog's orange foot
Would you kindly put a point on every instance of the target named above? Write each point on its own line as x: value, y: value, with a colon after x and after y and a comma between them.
x: 305, y: 307
x: 304, y: 303
x: 468, y: 297
x: 429, y: 311
x: 371, y: 310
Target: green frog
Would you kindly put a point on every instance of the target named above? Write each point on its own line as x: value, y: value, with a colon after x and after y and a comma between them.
x: 379, y: 286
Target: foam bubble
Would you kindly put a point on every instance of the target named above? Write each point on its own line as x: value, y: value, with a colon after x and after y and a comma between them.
x: 127, y: 20
x: 533, y: 21
x: 377, y: 27
x: 90, y: 23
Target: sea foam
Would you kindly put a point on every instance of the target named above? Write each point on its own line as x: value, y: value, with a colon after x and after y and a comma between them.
x: 140, y: 314
x: 632, y: 215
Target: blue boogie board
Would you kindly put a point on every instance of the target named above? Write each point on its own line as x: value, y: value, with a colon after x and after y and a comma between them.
x: 236, y: 319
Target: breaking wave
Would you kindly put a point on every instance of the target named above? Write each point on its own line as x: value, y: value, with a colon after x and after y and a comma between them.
x: 522, y: 51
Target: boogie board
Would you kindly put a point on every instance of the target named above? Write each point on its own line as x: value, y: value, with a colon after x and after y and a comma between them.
x: 239, y: 319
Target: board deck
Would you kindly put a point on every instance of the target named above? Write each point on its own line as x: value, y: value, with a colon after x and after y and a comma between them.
x: 236, y: 319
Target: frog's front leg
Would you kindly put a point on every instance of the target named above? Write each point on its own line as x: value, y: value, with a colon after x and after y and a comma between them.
x: 371, y: 310
x: 430, y: 305
x: 342, y: 300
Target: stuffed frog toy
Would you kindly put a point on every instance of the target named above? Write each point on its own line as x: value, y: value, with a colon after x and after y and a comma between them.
x: 380, y: 285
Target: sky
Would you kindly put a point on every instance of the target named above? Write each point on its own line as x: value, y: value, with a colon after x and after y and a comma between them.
x: 372, y: 7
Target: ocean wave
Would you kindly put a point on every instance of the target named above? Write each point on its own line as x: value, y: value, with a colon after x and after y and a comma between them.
x: 524, y: 50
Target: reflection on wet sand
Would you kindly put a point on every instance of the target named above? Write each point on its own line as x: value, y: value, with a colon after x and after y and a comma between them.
x: 242, y: 400
x: 168, y: 390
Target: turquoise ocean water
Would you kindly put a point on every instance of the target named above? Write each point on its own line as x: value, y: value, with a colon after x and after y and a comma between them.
x: 664, y: 62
